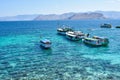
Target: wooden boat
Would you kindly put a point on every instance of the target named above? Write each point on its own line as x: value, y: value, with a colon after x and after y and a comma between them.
x: 75, y: 35
x: 45, y: 43
x: 63, y: 30
x: 106, y: 26
x: 96, y: 41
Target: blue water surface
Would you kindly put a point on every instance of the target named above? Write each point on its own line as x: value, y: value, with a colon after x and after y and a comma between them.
x: 22, y: 58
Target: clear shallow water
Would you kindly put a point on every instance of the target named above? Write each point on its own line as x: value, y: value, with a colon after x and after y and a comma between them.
x: 22, y: 58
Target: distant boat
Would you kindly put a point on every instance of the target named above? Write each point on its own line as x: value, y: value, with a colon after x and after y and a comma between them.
x: 106, y: 26
x: 96, y: 41
x: 45, y: 43
x: 63, y: 30
x: 117, y: 26
x: 75, y: 35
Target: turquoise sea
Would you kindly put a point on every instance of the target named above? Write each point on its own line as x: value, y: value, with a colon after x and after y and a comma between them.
x: 22, y: 58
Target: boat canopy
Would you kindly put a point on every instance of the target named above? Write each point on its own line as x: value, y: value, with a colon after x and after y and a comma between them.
x: 71, y: 35
x: 77, y: 33
x: 91, y: 39
x: 45, y: 41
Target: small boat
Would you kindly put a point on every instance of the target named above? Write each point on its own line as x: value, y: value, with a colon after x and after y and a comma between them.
x: 75, y: 35
x: 106, y: 26
x: 45, y: 43
x: 63, y: 30
x: 117, y: 26
x: 96, y: 41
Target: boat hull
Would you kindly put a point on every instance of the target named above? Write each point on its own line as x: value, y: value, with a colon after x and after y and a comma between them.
x: 75, y: 38
x: 106, y: 26
x: 46, y: 46
x: 61, y: 33
x: 117, y: 26
x: 95, y: 42
x: 91, y: 44
x: 45, y: 43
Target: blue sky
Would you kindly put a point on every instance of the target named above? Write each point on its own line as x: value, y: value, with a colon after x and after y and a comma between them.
x: 18, y: 7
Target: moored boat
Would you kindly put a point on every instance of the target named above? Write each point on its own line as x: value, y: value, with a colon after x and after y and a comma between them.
x: 45, y: 43
x: 75, y: 35
x: 63, y: 30
x: 106, y: 26
x: 96, y: 41
x: 117, y: 26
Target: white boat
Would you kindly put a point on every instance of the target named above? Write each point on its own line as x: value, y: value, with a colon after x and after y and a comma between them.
x: 96, y: 41
x: 63, y: 30
x: 45, y: 43
x: 75, y: 35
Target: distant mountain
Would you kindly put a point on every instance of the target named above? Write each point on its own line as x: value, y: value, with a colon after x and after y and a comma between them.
x: 18, y: 18
x: 71, y: 16
x: 54, y: 16
x: 110, y: 14
x: 79, y: 16
x: 65, y: 16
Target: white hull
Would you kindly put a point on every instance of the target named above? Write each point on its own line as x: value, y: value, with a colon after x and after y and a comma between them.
x: 73, y: 38
x: 96, y: 42
x: 61, y: 33
x: 45, y: 45
x: 63, y: 30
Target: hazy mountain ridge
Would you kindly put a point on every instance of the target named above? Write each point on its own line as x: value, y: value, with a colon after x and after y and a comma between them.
x: 71, y: 16
x: 110, y: 14
x: 65, y: 16
x: 87, y: 16
x: 54, y: 16
x: 18, y: 18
